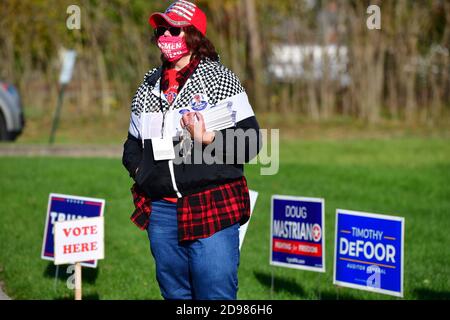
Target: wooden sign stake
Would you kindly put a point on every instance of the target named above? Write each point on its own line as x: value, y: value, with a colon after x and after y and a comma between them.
x: 77, y: 281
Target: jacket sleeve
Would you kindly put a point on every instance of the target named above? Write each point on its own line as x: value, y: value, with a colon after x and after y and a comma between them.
x: 132, y: 148
x: 132, y: 154
x: 242, y: 142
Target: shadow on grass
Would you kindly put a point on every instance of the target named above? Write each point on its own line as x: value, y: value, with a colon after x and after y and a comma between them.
x: 280, y: 284
x: 427, y: 294
x: 89, y: 275
x: 94, y: 296
x: 335, y: 295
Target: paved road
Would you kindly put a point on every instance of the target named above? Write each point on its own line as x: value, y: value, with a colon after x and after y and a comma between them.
x: 3, y: 296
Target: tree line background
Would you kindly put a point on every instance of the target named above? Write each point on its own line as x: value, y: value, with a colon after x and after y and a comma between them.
x: 400, y: 72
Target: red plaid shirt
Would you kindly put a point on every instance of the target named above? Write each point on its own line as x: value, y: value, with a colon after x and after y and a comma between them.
x: 201, y: 214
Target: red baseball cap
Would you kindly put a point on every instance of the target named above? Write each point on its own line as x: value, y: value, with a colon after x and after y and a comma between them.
x: 180, y: 14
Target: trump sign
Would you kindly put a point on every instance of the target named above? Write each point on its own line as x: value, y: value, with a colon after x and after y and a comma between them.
x: 297, y: 233
x: 369, y: 252
x: 63, y: 207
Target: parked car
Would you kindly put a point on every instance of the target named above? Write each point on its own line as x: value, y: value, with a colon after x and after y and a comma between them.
x: 12, y: 120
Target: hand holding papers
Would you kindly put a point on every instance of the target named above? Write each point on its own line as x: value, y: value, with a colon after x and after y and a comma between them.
x: 216, y: 117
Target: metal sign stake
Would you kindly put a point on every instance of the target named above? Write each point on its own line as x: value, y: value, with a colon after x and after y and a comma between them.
x: 56, y: 277
x: 57, y: 114
x: 319, y: 276
x: 272, y: 284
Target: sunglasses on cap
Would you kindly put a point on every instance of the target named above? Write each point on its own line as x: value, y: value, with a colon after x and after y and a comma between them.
x: 174, y: 31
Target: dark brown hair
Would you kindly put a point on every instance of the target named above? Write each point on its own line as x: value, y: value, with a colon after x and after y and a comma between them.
x: 200, y: 46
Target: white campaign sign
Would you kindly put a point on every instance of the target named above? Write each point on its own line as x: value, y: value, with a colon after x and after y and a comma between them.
x: 68, y: 62
x: 79, y: 240
x: 243, y: 228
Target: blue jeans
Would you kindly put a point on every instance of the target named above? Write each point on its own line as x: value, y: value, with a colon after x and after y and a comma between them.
x: 203, y: 269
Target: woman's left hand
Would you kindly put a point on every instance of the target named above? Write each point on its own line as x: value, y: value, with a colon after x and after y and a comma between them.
x: 195, y: 124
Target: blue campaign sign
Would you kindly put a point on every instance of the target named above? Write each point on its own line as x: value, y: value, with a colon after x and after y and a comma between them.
x: 63, y: 207
x: 297, y: 233
x: 369, y: 252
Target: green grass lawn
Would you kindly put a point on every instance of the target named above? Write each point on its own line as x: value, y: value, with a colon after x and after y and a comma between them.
x: 408, y: 177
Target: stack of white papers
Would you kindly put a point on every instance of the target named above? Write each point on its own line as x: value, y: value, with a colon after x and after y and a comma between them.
x: 216, y: 117
x: 219, y: 117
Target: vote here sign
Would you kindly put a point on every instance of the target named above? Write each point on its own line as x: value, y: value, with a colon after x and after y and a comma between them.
x: 369, y: 252
x: 79, y: 240
x: 297, y: 233
x: 63, y: 207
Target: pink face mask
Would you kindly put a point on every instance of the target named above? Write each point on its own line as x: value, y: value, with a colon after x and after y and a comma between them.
x: 173, y: 48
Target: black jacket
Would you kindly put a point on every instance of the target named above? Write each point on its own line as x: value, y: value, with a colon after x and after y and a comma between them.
x: 180, y: 178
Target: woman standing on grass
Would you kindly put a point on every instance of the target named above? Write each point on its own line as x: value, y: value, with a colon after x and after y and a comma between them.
x: 191, y: 211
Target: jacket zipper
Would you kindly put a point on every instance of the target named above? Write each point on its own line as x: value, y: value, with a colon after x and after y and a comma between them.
x: 170, y: 162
